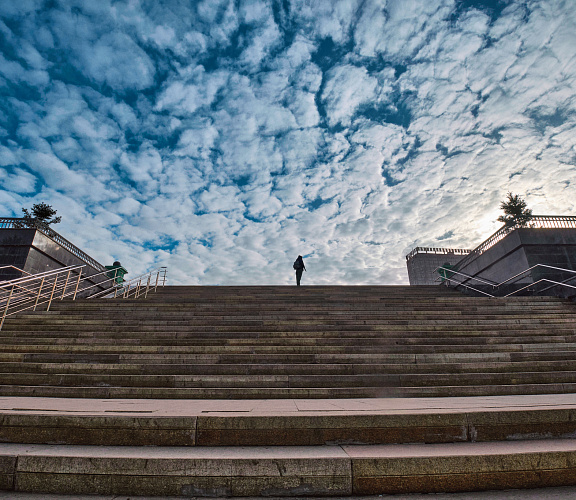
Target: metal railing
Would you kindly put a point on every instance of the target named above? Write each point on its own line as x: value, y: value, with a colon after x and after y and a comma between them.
x: 40, y: 290
x: 17, y: 269
x: 437, y: 251
x: 532, y: 286
x: 135, y: 287
x: 536, y: 222
x: 18, y: 223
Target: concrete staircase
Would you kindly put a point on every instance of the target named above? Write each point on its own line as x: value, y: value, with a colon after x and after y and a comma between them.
x: 288, y: 342
x: 258, y: 391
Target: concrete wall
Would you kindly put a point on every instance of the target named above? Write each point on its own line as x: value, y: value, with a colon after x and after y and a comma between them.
x: 34, y: 252
x: 15, y: 245
x: 422, y: 265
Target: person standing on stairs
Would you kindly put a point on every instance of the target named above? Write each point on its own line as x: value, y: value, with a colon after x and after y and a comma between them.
x: 299, y: 267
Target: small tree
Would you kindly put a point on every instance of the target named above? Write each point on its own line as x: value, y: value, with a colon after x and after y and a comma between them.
x: 41, y: 216
x: 515, y: 212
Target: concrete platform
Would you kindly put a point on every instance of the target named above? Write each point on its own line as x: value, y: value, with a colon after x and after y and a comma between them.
x: 264, y: 407
x: 285, y: 448
x: 287, y: 471
x: 289, y: 422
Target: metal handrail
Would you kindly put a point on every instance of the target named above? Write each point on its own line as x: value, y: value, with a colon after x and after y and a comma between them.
x: 134, y: 284
x: 18, y: 223
x: 437, y: 251
x: 540, y: 281
x: 43, y: 273
x: 30, y: 299
x: 22, y: 294
x: 477, y: 290
x: 453, y: 271
x: 533, y: 267
x: 16, y: 268
x: 516, y: 276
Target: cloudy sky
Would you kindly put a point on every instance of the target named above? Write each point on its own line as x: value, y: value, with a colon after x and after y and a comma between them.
x: 222, y: 138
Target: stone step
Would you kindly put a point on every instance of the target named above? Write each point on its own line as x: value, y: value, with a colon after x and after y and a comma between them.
x: 286, y: 471
x: 87, y: 354
x: 290, y: 326
x: 187, y: 333
x: 357, y: 330
x: 330, y: 311
x: 295, y: 331
x: 313, y: 382
x: 278, y: 427
x: 342, y: 310
x: 155, y: 353
x: 278, y: 347
x: 273, y: 297
x: 192, y: 368
x: 284, y: 392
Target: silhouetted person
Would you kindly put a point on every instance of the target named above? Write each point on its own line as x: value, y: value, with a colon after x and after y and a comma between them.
x: 299, y: 267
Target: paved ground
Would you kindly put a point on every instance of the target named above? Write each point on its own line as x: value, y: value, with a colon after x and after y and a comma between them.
x: 261, y: 407
x: 567, y: 493
x: 140, y: 407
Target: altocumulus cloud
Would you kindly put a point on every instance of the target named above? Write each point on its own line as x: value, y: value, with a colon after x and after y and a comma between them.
x: 223, y: 138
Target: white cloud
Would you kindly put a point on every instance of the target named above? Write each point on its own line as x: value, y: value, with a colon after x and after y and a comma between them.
x: 303, y: 108
x: 115, y: 59
x: 143, y: 167
x: 347, y: 87
x: 18, y: 181
x: 327, y: 19
x: 192, y: 90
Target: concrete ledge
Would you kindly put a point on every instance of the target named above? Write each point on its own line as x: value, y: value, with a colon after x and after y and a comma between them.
x: 462, y: 466
x: 290, y: 422
x: 331, y: 429
x: 115, y: 430
x: 288, y: 471
x: 256, y: 471
x: 509, y: 425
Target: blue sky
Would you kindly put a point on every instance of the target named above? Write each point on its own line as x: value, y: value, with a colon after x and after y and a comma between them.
x: 223, y: 138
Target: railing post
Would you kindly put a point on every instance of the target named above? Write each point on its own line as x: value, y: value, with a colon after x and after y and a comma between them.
x: 157, y: 278
x: 164, y: 277
x: 77, y: 284
x: 52, y: 293
x: 39, y: 293
x: 6, y: 308
x: 147, y: 287
x: 65, y: 285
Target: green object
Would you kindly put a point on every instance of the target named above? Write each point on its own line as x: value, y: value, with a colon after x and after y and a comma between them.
x: 444, y: 273
x: 116, y: 272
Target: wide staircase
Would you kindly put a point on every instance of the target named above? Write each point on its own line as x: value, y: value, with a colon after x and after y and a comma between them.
x: 279, y: 378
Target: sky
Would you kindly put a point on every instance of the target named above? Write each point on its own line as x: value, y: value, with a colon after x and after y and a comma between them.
x: 223, y: 138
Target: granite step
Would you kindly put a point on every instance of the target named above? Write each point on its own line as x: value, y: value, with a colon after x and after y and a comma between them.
x: 294, y: 381
x: 275, y: 341
x: 264, y: 423
x: 208, y: 344
x: 186, y: 367
x: 152, y: 354
x: 286, y: 471
x: 336, y: 392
